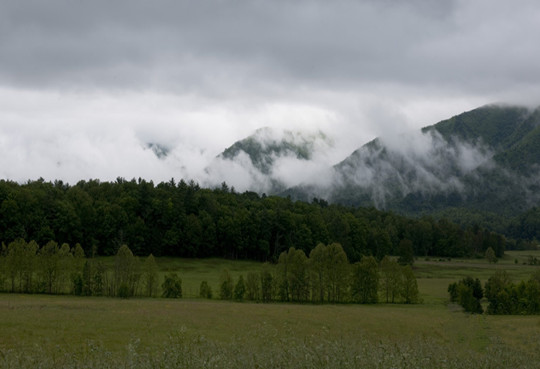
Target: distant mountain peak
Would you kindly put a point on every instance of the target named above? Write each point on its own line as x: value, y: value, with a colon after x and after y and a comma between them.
x: 267, y: 144
x: 486, y: 158
x: 159, y: 150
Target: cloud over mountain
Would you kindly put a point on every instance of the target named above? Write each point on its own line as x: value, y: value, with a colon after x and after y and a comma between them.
x: 271, y: 161
x: 85, y: 87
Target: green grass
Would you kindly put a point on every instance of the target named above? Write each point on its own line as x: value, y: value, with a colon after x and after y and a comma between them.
x: 101, y: 328
x: 434, y: 275
x: 194, y: 271
x: 70, y: 331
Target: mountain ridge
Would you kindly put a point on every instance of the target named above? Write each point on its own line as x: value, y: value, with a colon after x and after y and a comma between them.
x: 486, y: 159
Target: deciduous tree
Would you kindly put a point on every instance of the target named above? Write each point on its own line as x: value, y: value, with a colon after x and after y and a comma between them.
x: 365, y: 281
x: 226, y: 286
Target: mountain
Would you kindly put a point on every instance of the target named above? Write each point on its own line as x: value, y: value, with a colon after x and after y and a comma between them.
x: 263, y: 161
x: 487, y: 159
x: 159, y: 150
x: 479, y: 167
x: 266, y: 145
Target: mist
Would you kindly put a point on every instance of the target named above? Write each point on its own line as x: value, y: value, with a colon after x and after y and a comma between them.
x: 394, y: 166
x: 87, y: 90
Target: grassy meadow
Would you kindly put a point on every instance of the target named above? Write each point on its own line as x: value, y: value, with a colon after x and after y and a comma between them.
x: 69, y: 331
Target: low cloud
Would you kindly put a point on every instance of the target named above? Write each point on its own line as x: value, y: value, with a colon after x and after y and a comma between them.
x: 282, y: 159
x: 394, y: 166
x: 85, y: 87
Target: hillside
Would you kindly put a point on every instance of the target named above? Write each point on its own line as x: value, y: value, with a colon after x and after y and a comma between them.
x: 483, y: 160
x: 265, y: 146
x: 263, y: 161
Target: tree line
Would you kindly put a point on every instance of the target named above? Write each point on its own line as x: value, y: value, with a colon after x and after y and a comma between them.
x: 326, y: 276
x: 25, y: 267
x: 184, y: 220
x: 504, y: 297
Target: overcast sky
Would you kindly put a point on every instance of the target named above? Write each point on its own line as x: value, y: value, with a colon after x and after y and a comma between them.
x: 84, y: 86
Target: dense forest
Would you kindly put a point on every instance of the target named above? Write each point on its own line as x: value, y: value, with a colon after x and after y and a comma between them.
x: 182, y: 219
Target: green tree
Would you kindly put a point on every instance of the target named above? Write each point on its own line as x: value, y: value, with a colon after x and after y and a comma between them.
x: 252, y: 287
x: 365, y: 281
x: 66, y: 267
x: 49, y: 267
x: 87, y: 288
x: 337, y: 272
x: 390, y: 279
x: 240, y: 289
x: 531, y: 295
x: 14, y: 261
x: 172, y: 286
x: 3, y: 268
x: 497, y: 293
x: 226, y: 286
x: 490, y: 255
x: 297, y: 275
x: 318, y: 268
x: 99, y: 279
x: 474, y: 285
x: 267, y: 285
x: 283, y: 268
x: 405, y: 252
x: 467, y: 293
x: 150, y: 276
x: 28, y: 266
x: 409, y: 285
x: 126, y: 272
x: 465, y: 297
x: 205, y: 291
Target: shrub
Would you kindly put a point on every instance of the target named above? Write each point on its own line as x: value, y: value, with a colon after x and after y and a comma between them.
x: 468, y: 292
x: 240, y: 289
x: 172, y: 286
x: 205, y: 291
x: 226, y: 286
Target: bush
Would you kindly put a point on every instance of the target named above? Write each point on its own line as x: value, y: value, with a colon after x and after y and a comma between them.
x: 240, y: 289
x: 172, y: 286
x: 226, y: 286
x: 205, y: 291
x: 468, y: 292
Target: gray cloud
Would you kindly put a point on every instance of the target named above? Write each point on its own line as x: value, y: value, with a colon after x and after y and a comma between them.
x: 228, y: 45
x: 84, y: 81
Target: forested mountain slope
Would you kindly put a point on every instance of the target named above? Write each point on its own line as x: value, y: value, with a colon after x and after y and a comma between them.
x: 484, y: 160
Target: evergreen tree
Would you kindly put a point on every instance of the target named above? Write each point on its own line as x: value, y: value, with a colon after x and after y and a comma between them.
x: 240, y: 289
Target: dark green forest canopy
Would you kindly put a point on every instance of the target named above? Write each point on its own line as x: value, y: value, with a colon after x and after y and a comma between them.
x: 182, y: 219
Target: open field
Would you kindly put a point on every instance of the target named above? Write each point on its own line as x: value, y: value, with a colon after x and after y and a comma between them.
x: 68, y: 331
